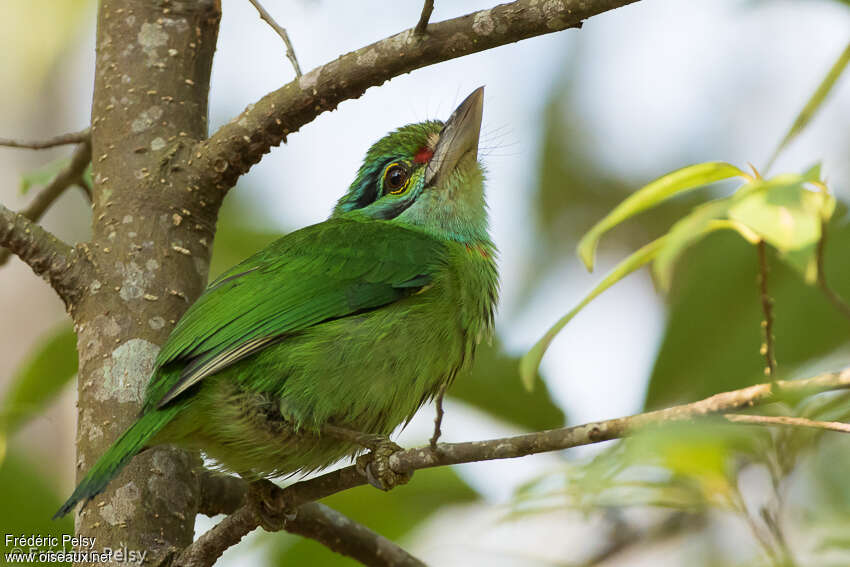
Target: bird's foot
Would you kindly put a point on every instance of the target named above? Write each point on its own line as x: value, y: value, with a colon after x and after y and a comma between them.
x: 375, y: 465
x: 271, y: 507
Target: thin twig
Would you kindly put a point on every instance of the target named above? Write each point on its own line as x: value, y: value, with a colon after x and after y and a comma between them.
x: 830, y: 294
x: 767, y: 309
x: 72, y: 174
x: 438, y: 419
x: 624, y: 537
x: 839, y: 426
x: 62, y: 140
x: 290, y: 51
x: 763, y: 538
x: 283, y: 501
x: 422, y: 24
x: 784, y: 556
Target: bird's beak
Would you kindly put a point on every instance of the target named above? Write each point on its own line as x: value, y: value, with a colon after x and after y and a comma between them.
x: 458, y: 138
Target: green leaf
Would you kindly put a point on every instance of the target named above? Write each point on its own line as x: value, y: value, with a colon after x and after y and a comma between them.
x: 663, y: 188
x: 27, y: 501
x: 392, y: 514
x: 779, y: 210
x: 685, y: 233
x: 46, y: 371
x: 812, y: 175
x: 814, y: 103
x: 531, y: 360
x: 43, y: 175
x: 87, y: 178
x: 492, y: 387
x: 712, y: 338
x: 789, y: 218
x: 830, y: 493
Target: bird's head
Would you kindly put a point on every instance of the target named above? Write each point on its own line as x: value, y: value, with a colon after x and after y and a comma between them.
x: 426, y: 175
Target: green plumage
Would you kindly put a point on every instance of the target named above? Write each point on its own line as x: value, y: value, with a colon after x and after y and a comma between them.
x: 356, y: 321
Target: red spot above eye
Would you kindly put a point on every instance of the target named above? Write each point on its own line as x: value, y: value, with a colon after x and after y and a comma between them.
x: 423, y: 155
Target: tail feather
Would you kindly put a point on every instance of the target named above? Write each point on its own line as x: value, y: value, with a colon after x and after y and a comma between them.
x: 131, y: 442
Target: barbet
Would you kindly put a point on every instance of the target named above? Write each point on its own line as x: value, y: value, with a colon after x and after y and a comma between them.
x: 348, y: 325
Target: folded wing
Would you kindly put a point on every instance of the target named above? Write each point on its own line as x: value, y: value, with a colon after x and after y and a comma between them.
x: 325, y: 271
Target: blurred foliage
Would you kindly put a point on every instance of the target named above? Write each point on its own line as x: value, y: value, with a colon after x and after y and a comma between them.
x: 712, y: 337
x: 711, y: 340
x: 45, y: 372
x: 654, y: 193
x: 242, y: 230
x: 687, y: 466
x: 35, y: 48
x: 43, y: 175
x: 814, y: 103
x: 27, y: 502
x: 830, y: 495
x: 392, y: 514
x: 531, y: 360
x: 491, y: 386
x: 785, y: 211
x: 575, y: 189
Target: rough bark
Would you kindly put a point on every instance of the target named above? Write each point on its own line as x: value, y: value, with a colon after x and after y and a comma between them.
x: 150, y: 250
x: 66, y: 269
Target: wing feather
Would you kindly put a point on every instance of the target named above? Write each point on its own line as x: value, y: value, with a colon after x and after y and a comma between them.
x: 325, y: 271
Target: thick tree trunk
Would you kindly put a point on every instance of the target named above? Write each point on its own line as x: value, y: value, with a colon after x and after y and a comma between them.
x: 152, y: 235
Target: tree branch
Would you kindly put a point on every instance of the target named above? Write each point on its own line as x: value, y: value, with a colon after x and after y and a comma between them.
x: 345, y: 536
x: 839, y: 426
x: 767, y: 308
x: 281, y: 31
x: 55, y: 261
x: 422, y: 24
x: 62, y: 140
x: 282, y: 502
x: 236, y: 146
x: 220, y: 493
x: 72, y: 174
x: 337, y: 532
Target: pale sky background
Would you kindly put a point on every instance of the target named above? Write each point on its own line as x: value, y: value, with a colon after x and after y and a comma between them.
x: 658, y: 82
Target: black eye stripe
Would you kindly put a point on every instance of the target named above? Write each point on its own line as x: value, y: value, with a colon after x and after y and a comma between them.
x: 395, y: 209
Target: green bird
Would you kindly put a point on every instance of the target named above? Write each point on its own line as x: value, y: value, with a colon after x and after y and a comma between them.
x: 350, y: 324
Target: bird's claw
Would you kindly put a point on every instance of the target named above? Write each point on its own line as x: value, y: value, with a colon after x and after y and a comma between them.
x: 375, y: 465
x: 266, y: 496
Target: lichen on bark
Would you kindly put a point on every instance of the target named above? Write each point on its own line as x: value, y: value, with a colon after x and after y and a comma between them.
x: 149, y: 107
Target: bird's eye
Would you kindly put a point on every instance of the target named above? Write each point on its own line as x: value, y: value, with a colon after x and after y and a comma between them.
x: 396, y: 177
